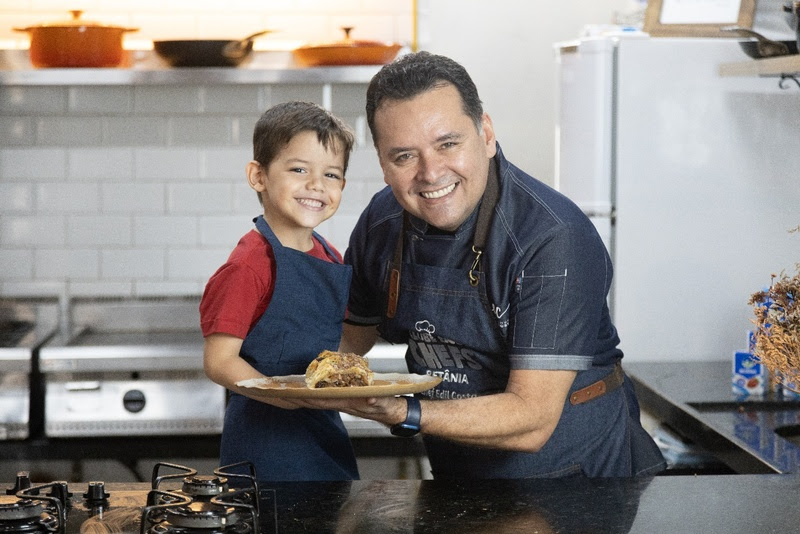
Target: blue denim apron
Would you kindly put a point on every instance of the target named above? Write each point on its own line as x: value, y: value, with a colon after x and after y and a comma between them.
x: 303, y: 318
x: 453, y: 336
x: 451, y: 332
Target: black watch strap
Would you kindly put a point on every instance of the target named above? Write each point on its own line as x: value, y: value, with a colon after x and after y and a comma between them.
x: 411, y: 426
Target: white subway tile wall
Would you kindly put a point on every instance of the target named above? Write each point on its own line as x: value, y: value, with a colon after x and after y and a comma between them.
x: 140, y: 191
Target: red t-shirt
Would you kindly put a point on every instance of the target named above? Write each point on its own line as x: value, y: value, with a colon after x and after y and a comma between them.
x: 237, y: 295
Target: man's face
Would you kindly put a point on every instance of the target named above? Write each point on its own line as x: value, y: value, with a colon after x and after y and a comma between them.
x: 433, y: 157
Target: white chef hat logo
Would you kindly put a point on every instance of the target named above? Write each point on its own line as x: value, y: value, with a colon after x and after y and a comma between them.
x: 425, y: 326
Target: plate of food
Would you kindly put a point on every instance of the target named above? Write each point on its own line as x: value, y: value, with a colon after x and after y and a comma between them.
x: 339, y: 375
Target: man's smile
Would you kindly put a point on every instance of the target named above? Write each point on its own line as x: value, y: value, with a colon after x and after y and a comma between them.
x: 439, y: 192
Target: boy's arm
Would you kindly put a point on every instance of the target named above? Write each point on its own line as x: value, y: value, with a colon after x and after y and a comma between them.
x: 223, y: 365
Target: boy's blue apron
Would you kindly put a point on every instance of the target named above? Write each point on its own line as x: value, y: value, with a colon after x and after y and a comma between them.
x: 303, y: 318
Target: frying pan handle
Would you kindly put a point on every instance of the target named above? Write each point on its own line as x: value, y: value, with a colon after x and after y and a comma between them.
x: 237, y: 49
x: 766, y: 47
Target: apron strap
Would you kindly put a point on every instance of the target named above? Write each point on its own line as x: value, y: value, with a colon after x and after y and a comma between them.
x: 490, y: 196
x: 485, y: 212
x: 394, y: 275
x: 605, y: 385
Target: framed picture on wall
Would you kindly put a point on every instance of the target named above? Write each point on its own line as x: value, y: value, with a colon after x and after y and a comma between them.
x: 697, y: 18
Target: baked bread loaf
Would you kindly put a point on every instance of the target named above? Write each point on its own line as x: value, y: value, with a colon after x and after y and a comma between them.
x: 337, y: 369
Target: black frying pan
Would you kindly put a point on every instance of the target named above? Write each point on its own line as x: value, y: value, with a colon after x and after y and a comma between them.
x: 206, y: 52
x: 758, y: 46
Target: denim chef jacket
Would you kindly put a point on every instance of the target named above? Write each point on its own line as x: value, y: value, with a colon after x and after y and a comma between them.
x: 540, y: 304
x: 303, y: 318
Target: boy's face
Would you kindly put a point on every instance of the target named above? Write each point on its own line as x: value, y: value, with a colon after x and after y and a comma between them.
x: 301, y: 187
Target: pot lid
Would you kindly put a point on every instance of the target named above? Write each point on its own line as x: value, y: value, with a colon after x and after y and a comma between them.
x: 347, y: 42
x: 76, y: 21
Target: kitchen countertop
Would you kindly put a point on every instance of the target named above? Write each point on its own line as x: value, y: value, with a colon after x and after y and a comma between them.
x: 749, y: 434
x: 708, y: 504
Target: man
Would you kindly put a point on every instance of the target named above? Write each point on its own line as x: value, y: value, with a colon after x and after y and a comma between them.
x: 497, y: 283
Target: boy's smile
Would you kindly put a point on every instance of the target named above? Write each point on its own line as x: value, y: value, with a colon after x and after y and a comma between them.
x: 300, y: 188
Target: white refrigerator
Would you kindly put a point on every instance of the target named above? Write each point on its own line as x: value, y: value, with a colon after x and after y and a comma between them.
x: 693, y: 179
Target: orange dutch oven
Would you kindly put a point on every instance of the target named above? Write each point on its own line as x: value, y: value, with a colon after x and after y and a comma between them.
x: 75, y: 43
x: 346, y: 52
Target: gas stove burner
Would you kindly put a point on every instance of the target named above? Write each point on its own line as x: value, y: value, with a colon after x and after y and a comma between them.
x: 179, y: 514
x: 23, y: 510
x: 201, y: 517
x: 205, y: 504
x: 33, y: 512
x: 205, y: 486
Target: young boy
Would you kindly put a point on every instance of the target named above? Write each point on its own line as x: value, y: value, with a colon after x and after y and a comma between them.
x: 280, y: 299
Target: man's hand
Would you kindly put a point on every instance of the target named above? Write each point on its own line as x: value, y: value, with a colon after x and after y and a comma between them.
x: 522, y: 418
x: 386, y: 410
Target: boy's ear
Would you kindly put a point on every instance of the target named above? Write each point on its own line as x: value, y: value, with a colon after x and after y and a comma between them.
x: 256, y: 176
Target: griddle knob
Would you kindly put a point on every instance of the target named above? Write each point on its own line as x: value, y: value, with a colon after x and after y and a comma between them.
x: 23, y: 482
x: 96, y: 493
x: 133, y: 401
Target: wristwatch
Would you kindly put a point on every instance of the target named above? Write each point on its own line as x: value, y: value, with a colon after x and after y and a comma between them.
x: 410, y: 427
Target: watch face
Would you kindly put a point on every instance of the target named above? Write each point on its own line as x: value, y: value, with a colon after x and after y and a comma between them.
x: 404, y: 431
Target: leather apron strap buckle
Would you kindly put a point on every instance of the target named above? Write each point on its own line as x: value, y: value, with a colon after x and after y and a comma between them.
x: 606, y: 385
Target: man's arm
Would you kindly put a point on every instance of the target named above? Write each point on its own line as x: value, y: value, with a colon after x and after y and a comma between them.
x: 522, y: 418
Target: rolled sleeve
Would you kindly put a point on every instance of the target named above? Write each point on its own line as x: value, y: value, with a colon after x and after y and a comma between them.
x: 559, y: 300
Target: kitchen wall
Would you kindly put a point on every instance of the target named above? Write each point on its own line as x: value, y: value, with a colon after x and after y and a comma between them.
x: 140, y: 191
x: 508, y: 49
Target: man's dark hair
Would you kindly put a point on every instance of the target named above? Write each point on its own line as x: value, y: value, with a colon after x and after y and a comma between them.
x: 413, y: 74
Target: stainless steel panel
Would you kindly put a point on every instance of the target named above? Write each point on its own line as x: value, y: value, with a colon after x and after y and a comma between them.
x: 134, y: 357
x: 127, y: 334
x: 24, y: 325
x: 14, y: 406
x: 15, y: 360
x: 158, y: 403
x: 137, y: 315
x: 129, y: 367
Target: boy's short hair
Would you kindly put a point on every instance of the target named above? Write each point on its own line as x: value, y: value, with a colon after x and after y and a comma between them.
x: 280, y: 123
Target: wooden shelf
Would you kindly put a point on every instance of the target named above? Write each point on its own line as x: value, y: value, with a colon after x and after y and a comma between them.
x: 774, y: 66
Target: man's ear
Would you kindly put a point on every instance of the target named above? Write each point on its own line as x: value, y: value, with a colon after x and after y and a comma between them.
x: 487, y: 129
x: 256, y: 176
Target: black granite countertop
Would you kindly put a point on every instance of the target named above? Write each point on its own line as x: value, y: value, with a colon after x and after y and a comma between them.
x: 729, y: 504
x: 709, y: 504
x: 754, y: 434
